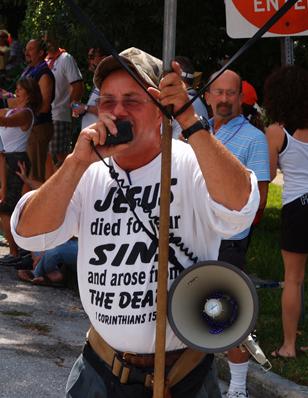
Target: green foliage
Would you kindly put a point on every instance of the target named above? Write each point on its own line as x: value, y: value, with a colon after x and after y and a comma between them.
x: 264, y: 260
x: 201, y: 33
x: 13, y: 3
x: 264, y: 253
x: 301, y: 51
x: 43, y: 15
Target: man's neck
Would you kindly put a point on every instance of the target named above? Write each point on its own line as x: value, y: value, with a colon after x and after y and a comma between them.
x: 218, y: 122
x: 52, y: 53
x: 130, y: 163
x: 37, y: 62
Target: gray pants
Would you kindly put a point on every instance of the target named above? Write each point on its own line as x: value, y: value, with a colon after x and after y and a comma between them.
x: 85, y: 382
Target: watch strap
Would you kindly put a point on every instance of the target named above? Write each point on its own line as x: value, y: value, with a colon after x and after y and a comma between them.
x: 201, y: 124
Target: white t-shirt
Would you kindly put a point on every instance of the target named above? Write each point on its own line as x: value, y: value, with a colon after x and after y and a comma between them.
x: 66, y: 72
x: 14, y: 139
x: 117, y: 260
x: 90, y: 118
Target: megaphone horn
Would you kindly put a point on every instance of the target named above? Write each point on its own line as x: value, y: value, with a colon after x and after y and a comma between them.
x: 212, y: 306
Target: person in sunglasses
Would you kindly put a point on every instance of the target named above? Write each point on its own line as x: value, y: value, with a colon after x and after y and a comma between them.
x: 249, y: 145
x: 113, y: 208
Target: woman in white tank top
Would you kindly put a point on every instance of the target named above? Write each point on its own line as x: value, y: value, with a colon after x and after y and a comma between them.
x: 15, y: 127
x: 286, y: 103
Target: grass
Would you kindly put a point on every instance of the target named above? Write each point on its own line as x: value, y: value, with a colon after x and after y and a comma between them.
x: 264, y: 260
x: 15, y: 313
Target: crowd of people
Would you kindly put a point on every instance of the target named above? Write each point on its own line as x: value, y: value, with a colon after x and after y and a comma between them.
x: 11, y: 55
x: 223, y: 159
x: 36, y: 135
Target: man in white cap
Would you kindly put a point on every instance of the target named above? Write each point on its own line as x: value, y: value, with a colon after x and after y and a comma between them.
x: 212, y: 196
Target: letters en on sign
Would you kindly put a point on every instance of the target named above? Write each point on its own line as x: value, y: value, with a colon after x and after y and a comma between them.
x: 245, y: 17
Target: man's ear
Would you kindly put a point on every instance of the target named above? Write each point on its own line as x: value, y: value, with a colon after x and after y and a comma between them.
x: 207, y: 97
x: 241, y: 98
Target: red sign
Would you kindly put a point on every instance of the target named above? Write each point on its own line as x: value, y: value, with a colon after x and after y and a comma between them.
x: 258, y: 12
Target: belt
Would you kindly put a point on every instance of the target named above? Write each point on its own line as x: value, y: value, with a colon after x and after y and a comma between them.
x: 147, y: 360
x: 121, y: 363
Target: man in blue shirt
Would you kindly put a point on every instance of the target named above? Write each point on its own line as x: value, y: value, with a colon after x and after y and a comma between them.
x: 249, y: 145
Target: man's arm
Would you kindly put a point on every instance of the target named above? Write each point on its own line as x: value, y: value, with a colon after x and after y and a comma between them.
x: 76, y: 91
x: 227, y: 180
x: 45, y: 210
x: 46, y: 86
x: 81, y: 109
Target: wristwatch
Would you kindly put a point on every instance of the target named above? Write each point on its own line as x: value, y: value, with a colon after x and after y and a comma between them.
x: 201, y: 124
x: 85, y: 110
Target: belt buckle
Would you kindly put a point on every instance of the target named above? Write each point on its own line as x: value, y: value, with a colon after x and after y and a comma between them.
x: 149, y: 380
x: 124, y: 373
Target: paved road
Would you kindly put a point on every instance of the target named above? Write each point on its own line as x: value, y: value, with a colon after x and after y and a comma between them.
x: 42, y: 331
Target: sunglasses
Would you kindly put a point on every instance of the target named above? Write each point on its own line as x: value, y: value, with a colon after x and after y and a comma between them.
x: 107, y: 103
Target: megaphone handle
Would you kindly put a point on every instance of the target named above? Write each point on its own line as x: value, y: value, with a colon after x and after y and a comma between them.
x: 266, y: 366
x: 255, y: 350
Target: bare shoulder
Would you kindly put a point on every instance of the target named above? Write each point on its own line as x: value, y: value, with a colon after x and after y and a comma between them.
x: 275, y: 135
x: 45, y: 77
x: 274, y: 128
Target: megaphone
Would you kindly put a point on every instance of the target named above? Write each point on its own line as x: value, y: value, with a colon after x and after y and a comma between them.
x: 212, y: 306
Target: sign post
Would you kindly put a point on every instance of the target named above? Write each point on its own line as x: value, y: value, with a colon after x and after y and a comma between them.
x: 287, y: 50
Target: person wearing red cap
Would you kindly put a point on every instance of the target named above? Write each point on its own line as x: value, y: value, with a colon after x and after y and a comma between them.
x: 249, y: 93
x: 250, y: 107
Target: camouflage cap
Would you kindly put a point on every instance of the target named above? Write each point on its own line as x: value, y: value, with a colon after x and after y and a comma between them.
x: 148, y: 68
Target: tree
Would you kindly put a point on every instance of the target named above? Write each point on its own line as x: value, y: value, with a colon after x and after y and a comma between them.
x: 12, y: 12
x: 201, y: 32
